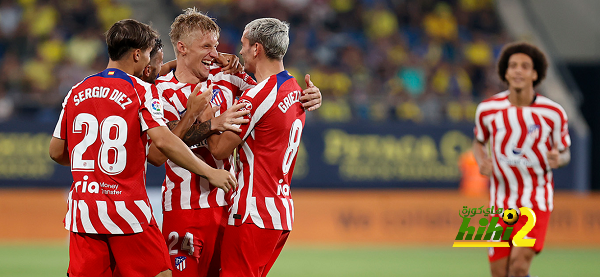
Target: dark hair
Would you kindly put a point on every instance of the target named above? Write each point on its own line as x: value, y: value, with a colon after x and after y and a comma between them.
x: 157, y: 46
x: 129, y: 34
x: 540, y: 64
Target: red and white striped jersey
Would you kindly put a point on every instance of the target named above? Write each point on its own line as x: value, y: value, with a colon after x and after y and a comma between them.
x: 103, y: 120
x: 181, y: 188
x: 268, y: 154
x: 520, y: 138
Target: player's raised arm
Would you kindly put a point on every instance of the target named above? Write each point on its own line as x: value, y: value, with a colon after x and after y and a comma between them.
x: 230, y: 63
x: 197, y: 103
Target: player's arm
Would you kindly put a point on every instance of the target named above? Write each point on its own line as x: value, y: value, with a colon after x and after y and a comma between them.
x: 311, y: 97
x: 221, y: 146
x: 483, y: 160
x: 230, y: 63
x: 167, y: 67
x: 59, y: 152
x: 557, y: 158
x: 179, y: 153
x: 197, y: 103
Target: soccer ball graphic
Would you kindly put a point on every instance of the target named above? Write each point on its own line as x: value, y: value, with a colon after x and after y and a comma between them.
x: 510, y: 216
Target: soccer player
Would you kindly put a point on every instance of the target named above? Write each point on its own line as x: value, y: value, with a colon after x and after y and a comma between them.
x: 195, y: 213
x: 262, y: 211
x: 101, y: 134
x: 528, y: 137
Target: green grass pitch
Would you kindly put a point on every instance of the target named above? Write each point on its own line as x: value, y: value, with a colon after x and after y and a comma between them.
x: 52, y: 260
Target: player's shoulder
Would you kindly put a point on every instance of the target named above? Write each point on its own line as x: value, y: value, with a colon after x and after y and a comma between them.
x: 286, y: 81
x: 169, y: 77
x: 264, y: 87
x: 168, y: 82
x: 549, y: 104
x: 498, y: 97
x: 141, y: 84
x: 495, y: 102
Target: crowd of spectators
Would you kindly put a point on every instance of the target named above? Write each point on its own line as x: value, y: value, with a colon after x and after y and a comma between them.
x: 425, y: 61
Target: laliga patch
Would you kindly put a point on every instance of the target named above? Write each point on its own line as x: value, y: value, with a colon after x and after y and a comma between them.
x: 156, y: 108
x: 180, y: 263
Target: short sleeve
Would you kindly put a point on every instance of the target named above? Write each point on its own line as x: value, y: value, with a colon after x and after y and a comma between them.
x: 560, y: 134
x: 60, y: 131
x: 251, y: 106
x: 481, y: 130
x: 151, y: 112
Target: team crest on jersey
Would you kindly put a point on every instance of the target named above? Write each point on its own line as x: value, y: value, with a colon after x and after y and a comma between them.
x: 217, y: 97
x: 180, y: 263
x: 533, y: 131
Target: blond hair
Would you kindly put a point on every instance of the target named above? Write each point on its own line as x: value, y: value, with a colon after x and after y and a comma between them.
x: 190, y: 21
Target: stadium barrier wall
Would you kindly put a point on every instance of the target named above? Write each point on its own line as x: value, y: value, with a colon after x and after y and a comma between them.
x: 357, y: 155
x: 346, y: 217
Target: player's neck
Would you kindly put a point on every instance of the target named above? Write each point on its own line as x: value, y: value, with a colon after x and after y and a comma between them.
x: 266, y: 68
x: 521, y: 97
x: 184, y: 75
x: 123, y: 65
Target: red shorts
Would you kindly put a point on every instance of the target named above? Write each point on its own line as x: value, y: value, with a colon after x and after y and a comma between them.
x: 250, y: 251
x: 99, y: 255
x: 194, y: 240
x: 538, y: 233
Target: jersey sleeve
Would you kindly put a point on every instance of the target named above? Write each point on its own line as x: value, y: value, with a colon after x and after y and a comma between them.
x: 560, y: 134
x: 60, y: 131
x: 151, y: 111
x: 243, y: 81
x: 481, y: 130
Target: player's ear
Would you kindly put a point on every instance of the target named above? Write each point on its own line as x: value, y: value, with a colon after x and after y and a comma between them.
x: 535, y: 75
x: 257, y: 49
x: 137, y: 53
x: 147, y: 70
x: 181, y: 48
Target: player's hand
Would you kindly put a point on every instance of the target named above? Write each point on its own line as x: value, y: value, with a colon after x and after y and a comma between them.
x: 485, y: 168
x: 230, y: 63
x: 311, y: 97
x: 222, y: 179
x: 198, y: 102
x: 553, y: 157
x: 230, y: 119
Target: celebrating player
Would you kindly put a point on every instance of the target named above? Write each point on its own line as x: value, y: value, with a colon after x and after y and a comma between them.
x: 528, y: 137
x: 101, y: 134
x: 194, y: 214
x: 262, y: 212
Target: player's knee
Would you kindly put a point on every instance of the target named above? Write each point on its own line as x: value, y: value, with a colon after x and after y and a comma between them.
x: 499, y: 272
x: 519, y: 267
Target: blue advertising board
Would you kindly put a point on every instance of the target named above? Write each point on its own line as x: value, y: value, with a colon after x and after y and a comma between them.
x: 353, y: 155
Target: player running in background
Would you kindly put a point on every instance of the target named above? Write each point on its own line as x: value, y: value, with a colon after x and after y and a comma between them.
x: 194, y: 212
x: 528, y: 137
x: 262, y: 210
x: 101, y: 134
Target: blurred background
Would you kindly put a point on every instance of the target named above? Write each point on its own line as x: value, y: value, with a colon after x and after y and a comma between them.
x: 384, y: 164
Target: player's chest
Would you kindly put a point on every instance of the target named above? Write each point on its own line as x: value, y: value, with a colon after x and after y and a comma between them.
x: 519, y: 126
